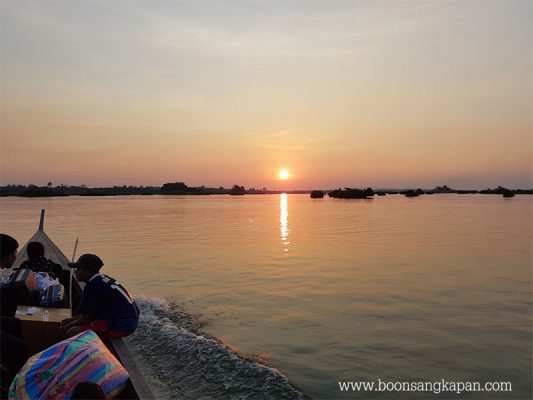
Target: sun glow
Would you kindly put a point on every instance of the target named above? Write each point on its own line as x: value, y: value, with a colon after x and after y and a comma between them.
x: 283, y: 174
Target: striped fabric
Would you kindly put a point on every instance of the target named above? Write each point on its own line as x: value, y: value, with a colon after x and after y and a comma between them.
x: 55, y: 372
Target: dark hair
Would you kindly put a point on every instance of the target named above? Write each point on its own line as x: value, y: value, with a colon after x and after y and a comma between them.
x: 35, y: 250
x: 7, y: 246
x: 87, y: 390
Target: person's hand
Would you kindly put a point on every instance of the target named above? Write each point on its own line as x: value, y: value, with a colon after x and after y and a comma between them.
x: 73, y: 331
x: 63, y: 327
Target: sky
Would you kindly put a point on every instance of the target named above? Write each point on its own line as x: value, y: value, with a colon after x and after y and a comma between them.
x: 386, y: 94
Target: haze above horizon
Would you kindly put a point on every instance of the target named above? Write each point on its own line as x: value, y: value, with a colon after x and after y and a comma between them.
x: 381, y: 94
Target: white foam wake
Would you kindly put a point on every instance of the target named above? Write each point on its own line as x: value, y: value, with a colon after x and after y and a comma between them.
x: 190, y: 364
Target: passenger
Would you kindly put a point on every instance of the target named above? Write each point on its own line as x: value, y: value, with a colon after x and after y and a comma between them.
x: 13, y: 351
x: 8, y: 254
x: 106, y: 308
x: 38, y: 263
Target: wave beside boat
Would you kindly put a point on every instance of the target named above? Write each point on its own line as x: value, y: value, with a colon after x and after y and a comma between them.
x: 183, y: 362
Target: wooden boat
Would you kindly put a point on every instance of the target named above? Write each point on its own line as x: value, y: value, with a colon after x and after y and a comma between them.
x: 38, y: 340
x: 73, y: 289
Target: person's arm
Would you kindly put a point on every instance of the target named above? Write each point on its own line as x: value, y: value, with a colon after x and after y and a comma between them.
x: 68, y: 323
x: 77, y: 326
x: 55, y: 269
x: 89, y: 306
x: 67, y: 320
x: 79, y: 320
x: 8, y: 303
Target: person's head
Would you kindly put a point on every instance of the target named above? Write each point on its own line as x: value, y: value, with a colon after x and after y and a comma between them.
x: 87, y: 390
x: 86, y: 266
x: 8, y: 250
x: 35, y: 250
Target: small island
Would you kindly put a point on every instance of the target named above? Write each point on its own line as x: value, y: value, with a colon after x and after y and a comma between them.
x: 413, y: 193
x: 237, y: 190
x: 349, y: 193
x: 317, y: 194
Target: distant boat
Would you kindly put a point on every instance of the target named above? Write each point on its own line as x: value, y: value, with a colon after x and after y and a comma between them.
x: 508, y: 193
x: 317, y: 194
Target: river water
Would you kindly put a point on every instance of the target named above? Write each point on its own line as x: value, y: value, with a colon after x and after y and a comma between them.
x: 313, y: 291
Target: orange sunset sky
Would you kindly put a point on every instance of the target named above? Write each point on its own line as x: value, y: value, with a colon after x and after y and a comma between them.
x: 379, y: 93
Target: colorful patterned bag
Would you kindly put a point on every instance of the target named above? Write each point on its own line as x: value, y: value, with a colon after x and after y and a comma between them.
x: 55, y: 372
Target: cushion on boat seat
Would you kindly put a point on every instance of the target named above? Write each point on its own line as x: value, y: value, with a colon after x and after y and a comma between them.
x: 55, y: 372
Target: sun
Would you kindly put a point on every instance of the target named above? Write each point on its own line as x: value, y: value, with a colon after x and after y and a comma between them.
x: 283, y: 174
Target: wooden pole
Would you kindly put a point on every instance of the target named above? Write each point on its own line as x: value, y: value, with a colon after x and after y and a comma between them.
x: 75, y: 248
x: 71, y: 276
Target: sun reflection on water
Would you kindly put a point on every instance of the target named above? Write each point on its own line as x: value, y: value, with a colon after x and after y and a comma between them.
x: 284, y: 222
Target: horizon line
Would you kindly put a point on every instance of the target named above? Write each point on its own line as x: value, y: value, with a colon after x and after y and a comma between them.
x: 391, y: 188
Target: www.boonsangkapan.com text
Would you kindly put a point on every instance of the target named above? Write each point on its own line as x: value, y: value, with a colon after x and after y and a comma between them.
x: 435, y: 387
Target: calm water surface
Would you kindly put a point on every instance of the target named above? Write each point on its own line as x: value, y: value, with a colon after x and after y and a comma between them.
x: 325, y: 290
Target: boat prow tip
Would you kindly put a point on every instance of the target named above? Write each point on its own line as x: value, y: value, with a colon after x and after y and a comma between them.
x: 41, y: 221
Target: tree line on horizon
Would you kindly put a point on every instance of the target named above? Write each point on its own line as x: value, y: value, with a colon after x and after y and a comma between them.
x: 180, y: 188
x: 175, y: 188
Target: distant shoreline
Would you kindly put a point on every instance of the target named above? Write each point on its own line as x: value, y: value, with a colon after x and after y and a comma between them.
x: 181, y: 189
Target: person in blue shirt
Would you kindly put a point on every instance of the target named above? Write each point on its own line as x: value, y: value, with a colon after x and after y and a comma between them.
x: 107, y: 308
